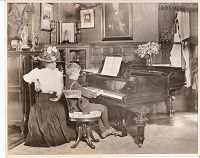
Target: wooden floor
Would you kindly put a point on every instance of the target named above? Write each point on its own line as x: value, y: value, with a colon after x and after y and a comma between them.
x: 15, y: 137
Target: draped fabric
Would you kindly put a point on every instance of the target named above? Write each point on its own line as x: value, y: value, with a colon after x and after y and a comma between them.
x: 176, y: 56
x: 186, y: 56
x: 181, y: 57
x: 49, y: 123
x: 195, y: 69
x: 184, y: 25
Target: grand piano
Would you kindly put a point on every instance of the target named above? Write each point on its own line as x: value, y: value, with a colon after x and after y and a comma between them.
x: 137, y: 88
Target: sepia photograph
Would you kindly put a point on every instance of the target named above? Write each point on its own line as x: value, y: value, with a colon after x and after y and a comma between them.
x: 68, y: 32
x: 108, y: 79
x: 46, y: 15
x: 87, y: 18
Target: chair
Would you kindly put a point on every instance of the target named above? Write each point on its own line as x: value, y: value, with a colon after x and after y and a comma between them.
x: 83, y: 121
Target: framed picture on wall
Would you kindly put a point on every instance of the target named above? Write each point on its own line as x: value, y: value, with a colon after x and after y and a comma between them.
x: 87, y: 18
x: 67, y: 32
x: 46, y: 15
x: 117, y: 21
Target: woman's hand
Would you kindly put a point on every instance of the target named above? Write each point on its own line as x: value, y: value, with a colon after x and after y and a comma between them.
x: 54, y: 99
x: 37, y: 85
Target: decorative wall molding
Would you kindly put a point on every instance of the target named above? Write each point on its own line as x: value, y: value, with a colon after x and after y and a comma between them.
x: 184, y: 7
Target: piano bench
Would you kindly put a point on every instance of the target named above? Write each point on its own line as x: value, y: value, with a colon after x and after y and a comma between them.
x: 83, y: 122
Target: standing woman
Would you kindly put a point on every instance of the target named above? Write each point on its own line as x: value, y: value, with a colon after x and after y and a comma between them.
x: 48, y: 120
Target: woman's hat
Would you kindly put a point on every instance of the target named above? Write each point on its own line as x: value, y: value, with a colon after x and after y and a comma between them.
x: 50, y: 55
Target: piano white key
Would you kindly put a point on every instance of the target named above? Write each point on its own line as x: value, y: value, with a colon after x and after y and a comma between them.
x: 106, y: 93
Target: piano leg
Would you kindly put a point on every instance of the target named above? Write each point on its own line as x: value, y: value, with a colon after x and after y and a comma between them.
x: 169, y: 102
x: 141, y: 121
x: 120, y: 123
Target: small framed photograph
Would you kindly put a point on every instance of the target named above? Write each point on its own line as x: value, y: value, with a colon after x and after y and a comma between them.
x: 67, y: 32
x: 87, y: 18
x: 46, y: 15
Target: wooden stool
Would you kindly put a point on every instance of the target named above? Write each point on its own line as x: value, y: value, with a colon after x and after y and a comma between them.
x: 83, y: 122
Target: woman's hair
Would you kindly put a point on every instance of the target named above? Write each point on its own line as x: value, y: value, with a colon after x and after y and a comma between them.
x: 44, y: 64
x: 72, y: 67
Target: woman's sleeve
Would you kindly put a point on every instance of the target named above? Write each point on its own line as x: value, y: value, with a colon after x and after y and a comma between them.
x: 84, y: 92
x: 59, y: 85
x: 31, y: 76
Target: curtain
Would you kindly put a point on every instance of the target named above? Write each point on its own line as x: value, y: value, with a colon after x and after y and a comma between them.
x: 181, y: 57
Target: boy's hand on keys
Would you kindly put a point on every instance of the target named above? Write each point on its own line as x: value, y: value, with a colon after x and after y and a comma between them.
x: 86, y: 112
x: 99, y: 92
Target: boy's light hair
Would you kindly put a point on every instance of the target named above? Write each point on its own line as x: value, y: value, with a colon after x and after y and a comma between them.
x: 72, y: 67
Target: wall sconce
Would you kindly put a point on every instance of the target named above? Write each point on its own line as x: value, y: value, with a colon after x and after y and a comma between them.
x: 78, y: 33
x: 52, y: 27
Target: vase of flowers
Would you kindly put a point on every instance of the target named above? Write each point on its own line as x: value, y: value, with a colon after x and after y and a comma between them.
x: 149, y: 60
x: 147, y: 51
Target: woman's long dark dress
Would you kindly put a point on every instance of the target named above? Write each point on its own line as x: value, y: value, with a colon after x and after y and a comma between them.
x: 48, y: 123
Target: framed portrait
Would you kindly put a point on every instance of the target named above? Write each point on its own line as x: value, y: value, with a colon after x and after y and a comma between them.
x: 46, y: 15
x: 87, y: 18
x: 117, y: 21
x: 67, y: 32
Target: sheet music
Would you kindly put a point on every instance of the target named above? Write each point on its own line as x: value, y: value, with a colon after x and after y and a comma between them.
x: 111, y: 66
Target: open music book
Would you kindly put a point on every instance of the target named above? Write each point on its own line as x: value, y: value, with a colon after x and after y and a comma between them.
x: 111, y: 66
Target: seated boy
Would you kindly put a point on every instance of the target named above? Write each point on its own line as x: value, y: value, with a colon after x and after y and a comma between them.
x: 73, y: 72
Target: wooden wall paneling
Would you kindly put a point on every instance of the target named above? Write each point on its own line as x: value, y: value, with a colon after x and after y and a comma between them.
x: 128, y: 54
x: 13, y: 63
x: 127, y: 50
x: 107, y: 51
x: 117, y: 51
x: 14, y: 107
x: 15, y: 98
x: 18, y: 64
x: 96, y: 57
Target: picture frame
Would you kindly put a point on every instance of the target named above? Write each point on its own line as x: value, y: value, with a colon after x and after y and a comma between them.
x: 87, y: 18
x: 46, y: 16
x: 67, y: 32
x: 117, y: 21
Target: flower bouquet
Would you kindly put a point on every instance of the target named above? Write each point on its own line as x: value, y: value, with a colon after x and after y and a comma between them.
x: 148, y: 50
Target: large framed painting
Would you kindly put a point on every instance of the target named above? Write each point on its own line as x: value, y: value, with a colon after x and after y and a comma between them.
x: 46, y: 16
x: 117, y: 21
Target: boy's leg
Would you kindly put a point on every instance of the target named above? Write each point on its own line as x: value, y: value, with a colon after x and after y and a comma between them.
x: 103, y: 123
x: 101, y: 126
x: 104, y: 116
x: 104, y: 126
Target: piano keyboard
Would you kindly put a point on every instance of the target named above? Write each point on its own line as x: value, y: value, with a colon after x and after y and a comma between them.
x: 106, y: 93
x: 146, y: 72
